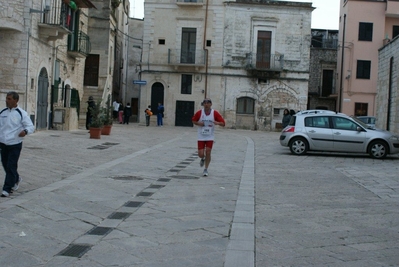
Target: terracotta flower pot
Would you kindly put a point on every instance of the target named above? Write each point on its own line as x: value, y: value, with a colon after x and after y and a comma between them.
x: 106, y: 130
x: 95, y: 133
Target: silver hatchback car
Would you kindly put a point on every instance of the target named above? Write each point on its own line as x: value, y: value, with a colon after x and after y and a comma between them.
x: 336, y: 132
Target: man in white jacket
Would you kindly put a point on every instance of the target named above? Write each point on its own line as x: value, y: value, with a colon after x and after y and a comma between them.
x: 15, y: 124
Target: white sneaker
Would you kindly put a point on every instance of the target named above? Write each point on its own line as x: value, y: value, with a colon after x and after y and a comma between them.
x: 202, y: 162
x: 205, y: 173
x: 5, y: 194
x: 16, y: 186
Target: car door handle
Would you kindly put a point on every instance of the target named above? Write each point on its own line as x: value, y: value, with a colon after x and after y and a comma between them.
x: 312, y: 131
x: 337, y: 133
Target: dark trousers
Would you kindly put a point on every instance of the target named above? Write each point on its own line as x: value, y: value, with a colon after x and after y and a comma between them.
x: 9, y: 159
x: 126, y: 119
x: 147, y: 120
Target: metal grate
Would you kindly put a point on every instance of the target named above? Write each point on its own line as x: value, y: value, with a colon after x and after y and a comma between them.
x: 156, y: 186
x: 184, y: 177
x: 144, y: 194
x: 174, y: 170
x: 109, y: 144
x: 119, y: 215
x: 124, y: 178
x: 163, y: 180
x: 100, y: 147
x: 133, y: 204
x: 100, y: 230
x: 75, y: 250
x: 185, y: 163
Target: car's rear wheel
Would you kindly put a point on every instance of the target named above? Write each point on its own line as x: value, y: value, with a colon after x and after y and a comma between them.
x: 299, y: 146
x: 378, y: 149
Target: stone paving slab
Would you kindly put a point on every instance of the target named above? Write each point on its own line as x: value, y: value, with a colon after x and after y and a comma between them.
x: 260, y: 205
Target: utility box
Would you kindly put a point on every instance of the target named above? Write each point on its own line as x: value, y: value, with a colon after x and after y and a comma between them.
x: 65, y: 119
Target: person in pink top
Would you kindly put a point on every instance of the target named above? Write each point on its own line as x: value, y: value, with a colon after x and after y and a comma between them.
x: 206, y: 119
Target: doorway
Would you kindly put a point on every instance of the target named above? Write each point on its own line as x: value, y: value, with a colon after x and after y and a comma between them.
x: 42, y: 100
x: 184, y: 113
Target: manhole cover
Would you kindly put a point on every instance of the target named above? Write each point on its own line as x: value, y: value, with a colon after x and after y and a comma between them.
x: 99, y: 231
x: 100, y: 147
x: 144, y: 194
x: 119, y: 215
x: 131, y: 178
x: 110, y: 144
x: 163, y: 180
x: 156, y: 186
x: 133, y: 204
x: 184, y: 177
x: 185, y: 162
x: 174, y: 170
x: 75, y: 251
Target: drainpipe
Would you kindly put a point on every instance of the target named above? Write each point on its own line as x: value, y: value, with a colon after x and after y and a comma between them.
x: 206, y: 50
x: 389, y: 93
x: 342, y: 67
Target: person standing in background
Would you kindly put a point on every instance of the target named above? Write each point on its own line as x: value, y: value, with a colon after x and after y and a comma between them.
x: 120, y: 113
x: 115, y: 105
x: 160, y: 114
x: 286, y: 118
x: 148, y: 114
x: 15, y: 124
x: 127, y: 112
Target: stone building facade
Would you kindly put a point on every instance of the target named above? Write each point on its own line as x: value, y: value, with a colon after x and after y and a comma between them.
x: 323, y: 70
x: 250, y: 57
x: 44, y: 47
x: 387, y: 103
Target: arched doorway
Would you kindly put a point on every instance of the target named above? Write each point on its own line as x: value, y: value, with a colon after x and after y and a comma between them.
x: 157, y: 95
x: 42, y: 100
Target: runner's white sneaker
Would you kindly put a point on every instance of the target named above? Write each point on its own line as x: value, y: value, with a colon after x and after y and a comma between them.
x: 205, y: 173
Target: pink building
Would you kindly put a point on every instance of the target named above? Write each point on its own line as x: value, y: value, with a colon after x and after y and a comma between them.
x: 364, y: 27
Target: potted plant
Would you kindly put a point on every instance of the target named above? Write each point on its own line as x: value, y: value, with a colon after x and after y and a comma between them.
x: 107, y: 117
x: 96, y: 121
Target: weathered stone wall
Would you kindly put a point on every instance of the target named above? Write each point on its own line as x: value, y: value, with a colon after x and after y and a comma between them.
x: 385, y: 72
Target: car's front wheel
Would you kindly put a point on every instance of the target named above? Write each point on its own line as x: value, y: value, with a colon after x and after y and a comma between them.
x: 378, y: 149
x: 299, y: 146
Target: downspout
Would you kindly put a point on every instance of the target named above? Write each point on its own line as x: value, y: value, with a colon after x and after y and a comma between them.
x: 342, y: 67
x: 206, y: 50
x: 389, y: 93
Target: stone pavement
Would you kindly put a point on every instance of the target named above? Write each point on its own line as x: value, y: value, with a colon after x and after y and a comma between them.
x: 137, y: 198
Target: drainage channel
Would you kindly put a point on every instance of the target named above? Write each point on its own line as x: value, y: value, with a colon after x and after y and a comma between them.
x: 78, y: 250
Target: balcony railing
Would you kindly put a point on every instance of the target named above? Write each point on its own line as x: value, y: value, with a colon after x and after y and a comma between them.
x: 270, y: 62
x: 79, y: 45
x: 190, y: 2
x: 186, y: 58
x: 54, y: 21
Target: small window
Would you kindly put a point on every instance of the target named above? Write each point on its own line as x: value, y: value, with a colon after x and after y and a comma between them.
x: 276, y: 111
x: 245, y: 105
x: 361, y: 109
x: 208, y: 43
x: 262, y: 80
x: 363, y: 69
x: 186, y: 83
x: 161, y: 41
x: 365, y: 31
